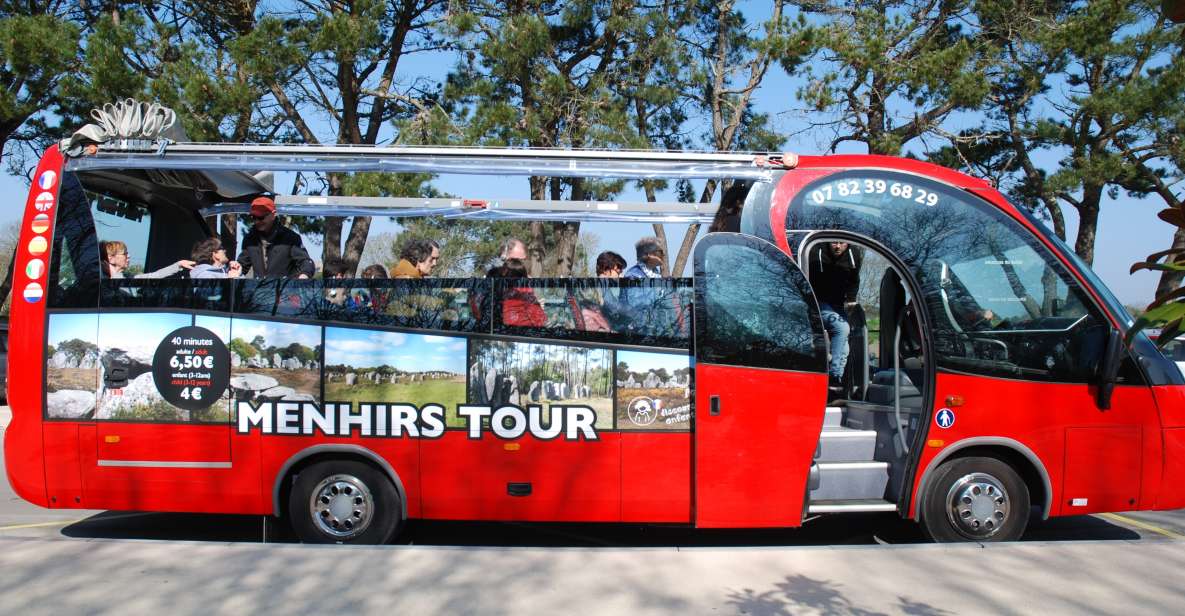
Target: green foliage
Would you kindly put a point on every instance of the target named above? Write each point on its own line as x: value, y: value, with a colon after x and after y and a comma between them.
x: 76, y: 348
x: 241, y: 348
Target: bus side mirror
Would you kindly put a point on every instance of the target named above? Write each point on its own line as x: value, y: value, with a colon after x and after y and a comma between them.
x: 1112, y: 358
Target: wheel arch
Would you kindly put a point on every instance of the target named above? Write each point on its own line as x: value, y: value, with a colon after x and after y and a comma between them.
x: 316, y: 453
x: 1027, y: 464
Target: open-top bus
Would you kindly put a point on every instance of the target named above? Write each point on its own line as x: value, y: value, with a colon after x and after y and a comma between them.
x: 707, y: 407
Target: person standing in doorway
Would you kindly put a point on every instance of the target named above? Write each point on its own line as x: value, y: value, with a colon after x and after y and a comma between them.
x: 834, y: 273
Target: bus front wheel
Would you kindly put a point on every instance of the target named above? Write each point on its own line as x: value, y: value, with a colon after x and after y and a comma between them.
x: 344, y: 501
x: 975, y: 499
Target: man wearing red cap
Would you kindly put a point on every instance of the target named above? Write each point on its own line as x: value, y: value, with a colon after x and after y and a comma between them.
x: 272, y: 250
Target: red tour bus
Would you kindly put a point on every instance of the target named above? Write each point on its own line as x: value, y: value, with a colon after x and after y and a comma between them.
x: 987, y: 378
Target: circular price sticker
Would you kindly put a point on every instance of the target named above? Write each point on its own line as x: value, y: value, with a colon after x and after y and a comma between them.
x: 191, y: 368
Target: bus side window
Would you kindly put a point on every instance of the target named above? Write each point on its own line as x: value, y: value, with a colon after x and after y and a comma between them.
x: 74, y: 266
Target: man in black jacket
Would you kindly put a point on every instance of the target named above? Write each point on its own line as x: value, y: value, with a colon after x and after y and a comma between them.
x: 835, y: 276
x: 272, y: 250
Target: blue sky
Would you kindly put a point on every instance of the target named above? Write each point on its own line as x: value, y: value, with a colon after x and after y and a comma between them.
x: 276, y: 334
x: 644, y: 362
x: 1128, y: 228
x: 411, y: 352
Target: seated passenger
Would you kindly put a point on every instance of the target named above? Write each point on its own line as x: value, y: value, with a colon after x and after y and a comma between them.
x: 212, y: 261
x: 599, y: 305
x: 649, y: 309
x: 335, y: 269
x: 113, y: 260
x: 520, y: 307
x: 373, y: 298
x: 417, y: 259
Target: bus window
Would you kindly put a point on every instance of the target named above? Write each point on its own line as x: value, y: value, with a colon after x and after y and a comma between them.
x: 647, y: 312
x: 74, y: 265
x: 999, y: 303
x: 758, y: 315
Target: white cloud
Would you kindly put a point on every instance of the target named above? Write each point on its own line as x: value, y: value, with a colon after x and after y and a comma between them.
x: 438, y: 339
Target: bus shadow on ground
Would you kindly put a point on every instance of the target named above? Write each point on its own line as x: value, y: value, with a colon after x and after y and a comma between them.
x: 850, y: 529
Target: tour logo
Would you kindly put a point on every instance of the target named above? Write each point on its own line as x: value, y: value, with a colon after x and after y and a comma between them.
x: 643, y: 411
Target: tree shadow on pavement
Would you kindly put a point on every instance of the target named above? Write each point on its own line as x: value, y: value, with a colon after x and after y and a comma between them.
x: 799, y: 594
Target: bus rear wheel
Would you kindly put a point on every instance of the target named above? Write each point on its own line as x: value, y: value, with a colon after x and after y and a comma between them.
x: 344, y: 501
x: 975, y: 499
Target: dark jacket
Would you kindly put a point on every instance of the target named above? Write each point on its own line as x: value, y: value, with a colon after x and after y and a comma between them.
x: 836, y: 280
x: 286, y: 256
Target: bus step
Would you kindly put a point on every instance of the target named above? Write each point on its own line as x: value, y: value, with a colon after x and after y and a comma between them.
x: 851, y: 481
x: 851, y: 506
x: 833, y: 417
x: 846, y: 445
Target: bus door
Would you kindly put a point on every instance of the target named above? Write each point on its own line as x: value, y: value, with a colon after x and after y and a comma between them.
x: 161, y: 433
x: 760, y: 383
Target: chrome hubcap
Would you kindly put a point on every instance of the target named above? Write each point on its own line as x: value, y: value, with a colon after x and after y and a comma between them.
x: 978, y: 505
x: 342, y: 506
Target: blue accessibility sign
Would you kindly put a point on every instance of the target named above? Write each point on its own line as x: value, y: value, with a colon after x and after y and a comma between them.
x: 945, y: 418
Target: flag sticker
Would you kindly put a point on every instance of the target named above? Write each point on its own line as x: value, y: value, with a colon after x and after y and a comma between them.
x: 43, y: 202
x: 47, y: 180
x: 37, y: 246
x: 40, y: 223
x: 35, y: 269
x: 33, y: 293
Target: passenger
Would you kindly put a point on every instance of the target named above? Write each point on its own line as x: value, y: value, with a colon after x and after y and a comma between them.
x: 113, y: 260
x: 417, y: 259
x: 272, y: 250
x: 649, y: 308
x: 335, y: 269
x: 513, y: 248
x: 375, y: 298
x: 834, y: 273
x: 650, y: 259
x: 212, y: 261
x: 520, y: 306
x: 600, y: 306
x: 374, y: 271
x: 728, y: 216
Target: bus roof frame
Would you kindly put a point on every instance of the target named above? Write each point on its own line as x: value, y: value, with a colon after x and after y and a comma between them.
x: 482, y: 209
x: 623, y: 164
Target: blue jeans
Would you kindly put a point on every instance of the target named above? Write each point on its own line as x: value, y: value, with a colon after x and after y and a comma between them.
x: 836, y: 324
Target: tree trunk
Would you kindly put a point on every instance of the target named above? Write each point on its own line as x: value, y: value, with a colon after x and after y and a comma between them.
x: 355, y: 243
x: 1170, y: 280
x: 1088, y: 222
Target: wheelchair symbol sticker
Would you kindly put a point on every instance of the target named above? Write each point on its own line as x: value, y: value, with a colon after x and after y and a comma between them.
x: 945, y: 418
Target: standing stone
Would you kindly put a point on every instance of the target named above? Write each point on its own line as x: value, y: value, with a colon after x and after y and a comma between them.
x: 351, y: 378
x: 277, y: 361
x: 70, y: 404
x: 533, y: 392
x: 292, y: 363
x: 651, y: 381
x: 235, y: 360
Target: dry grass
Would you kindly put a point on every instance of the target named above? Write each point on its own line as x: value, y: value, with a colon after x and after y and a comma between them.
x: 58, y: 379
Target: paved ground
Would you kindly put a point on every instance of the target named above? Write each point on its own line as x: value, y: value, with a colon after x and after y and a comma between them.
x: 107, y: 562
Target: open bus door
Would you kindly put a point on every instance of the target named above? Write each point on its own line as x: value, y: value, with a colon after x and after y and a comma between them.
x: 760, y: 382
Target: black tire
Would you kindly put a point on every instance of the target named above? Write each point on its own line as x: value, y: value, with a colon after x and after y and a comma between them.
x: 356, y: 503
x: 975, y: 499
